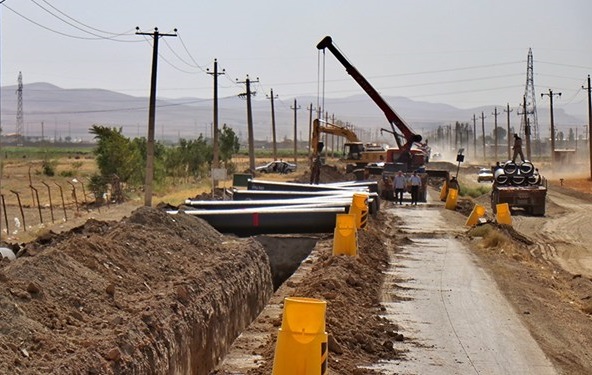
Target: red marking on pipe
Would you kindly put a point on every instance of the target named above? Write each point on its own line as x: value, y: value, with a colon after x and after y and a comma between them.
x: 256, y: 219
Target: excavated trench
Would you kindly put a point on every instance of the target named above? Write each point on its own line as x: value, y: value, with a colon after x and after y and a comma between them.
x: 285, y: 254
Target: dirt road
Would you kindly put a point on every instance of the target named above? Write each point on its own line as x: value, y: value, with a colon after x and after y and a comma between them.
x: 456, y: 317
x: 564, y: 235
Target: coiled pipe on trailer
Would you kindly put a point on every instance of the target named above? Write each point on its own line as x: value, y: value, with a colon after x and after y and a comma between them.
x: 518, y: 179
x: 526, y: 168
x: 510, y: 168
x: 500, y: 177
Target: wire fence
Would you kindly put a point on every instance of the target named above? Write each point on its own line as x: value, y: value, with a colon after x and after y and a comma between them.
x: 35, y: 206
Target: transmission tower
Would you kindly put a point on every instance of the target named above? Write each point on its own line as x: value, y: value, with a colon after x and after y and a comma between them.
x: 19, y: 111
x: 530, y: 109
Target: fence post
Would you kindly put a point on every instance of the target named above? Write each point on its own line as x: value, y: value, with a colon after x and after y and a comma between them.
x: 74, y: 194
x: 5, y: 214
x: 84, y: 196
x: 63, y: 203
x: 38, y: 203
x: 50, y: 203
x: 21, y: 208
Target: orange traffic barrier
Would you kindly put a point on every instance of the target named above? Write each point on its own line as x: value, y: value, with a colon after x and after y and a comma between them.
x: 301, y: 346
x: 359, y: 208
x: 503, y: 215
x: 476, y: 214
x: 451, y: 199
x: 345, y: 235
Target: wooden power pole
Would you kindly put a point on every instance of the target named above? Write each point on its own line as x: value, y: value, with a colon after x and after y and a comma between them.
x: 495, y: 113
x: 550, y: 95
x: 151, y: 116
x: 474, y: 136
x: 589, y: 89
x: 272, y: 97
x: 296, y: 107
x: 508, y: 110
x: 215, y: 146
x: 251, y: 139
x: 483, y: 133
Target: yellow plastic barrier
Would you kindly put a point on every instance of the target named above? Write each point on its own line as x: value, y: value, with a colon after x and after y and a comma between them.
x: 503, y: 215
x: 345, y: 235
x: 451, y: 199
x: 444, y: 191
x: 359, y: 208
x: 301, y: 346
x: 478, y: 212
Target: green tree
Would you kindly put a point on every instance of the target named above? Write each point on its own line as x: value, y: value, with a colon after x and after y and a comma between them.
x: 229, y: 143
x: 117, y: 155
x: 190, y: 158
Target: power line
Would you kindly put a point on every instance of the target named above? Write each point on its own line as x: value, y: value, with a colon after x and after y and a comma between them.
x: 566, y: 65
x: 67, y: 22
x: 81, y: 23
x: 177, y: 55
x: 62, y: 33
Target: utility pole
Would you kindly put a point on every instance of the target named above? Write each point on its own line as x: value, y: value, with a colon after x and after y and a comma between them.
x: 508, y: 110
x: 310, y: 130
x: 526, y: 125
x: 151, y: 116
x: 474, y: 136
x: 20, y: 122
x: 251, y: 140
x: 215, y: 145
x: 296, y: 107
x: 589, y: 89
x: 550, y: 95
x: 272, y: 97
x: 483, y: 132
x: 495, y: 113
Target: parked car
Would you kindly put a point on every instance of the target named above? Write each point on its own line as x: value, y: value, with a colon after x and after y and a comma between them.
x: 277, y: 167
x: 485, y: 174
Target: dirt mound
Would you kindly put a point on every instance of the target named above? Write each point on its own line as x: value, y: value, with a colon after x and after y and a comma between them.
x: 154, y: 293
x: 329, y: 173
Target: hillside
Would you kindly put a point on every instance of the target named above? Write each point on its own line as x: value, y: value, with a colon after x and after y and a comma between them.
x: 71, y: 112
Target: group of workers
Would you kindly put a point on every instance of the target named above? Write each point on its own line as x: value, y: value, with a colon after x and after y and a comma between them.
x: 400, y: 183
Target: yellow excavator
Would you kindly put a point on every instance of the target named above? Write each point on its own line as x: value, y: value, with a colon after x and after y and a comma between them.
x: 356, y: 154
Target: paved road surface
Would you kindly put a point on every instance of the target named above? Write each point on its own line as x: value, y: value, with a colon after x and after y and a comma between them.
x: 459, y: 320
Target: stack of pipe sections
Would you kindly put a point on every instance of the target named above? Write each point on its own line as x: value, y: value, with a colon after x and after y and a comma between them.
x: 512, y: 174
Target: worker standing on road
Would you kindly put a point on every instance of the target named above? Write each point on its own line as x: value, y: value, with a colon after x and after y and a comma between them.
x: 517, y: 148
x: 415, y: 185
x: 400, y: 183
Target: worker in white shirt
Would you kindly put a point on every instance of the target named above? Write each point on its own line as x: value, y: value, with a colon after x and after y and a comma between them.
x: 400, y: 183
x: 415, y: 181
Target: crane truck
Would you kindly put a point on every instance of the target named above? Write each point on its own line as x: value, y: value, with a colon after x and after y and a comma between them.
x: 411, y: 154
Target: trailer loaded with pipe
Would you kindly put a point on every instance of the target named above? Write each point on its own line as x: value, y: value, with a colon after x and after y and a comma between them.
x: 519, y: 185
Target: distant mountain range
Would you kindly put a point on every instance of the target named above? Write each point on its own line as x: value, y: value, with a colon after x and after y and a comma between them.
x: 53, y: 112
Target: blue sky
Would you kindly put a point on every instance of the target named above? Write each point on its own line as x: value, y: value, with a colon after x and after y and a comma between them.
x: 459, y: 52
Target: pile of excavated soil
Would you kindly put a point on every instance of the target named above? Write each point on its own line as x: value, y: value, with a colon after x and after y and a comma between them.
x: 328, y: 174
x: 154, y: 293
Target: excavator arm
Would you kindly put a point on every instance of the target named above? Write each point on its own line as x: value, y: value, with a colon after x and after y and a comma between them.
x: 393, y: 118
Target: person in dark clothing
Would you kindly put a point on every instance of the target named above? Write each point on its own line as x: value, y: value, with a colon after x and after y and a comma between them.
x: 415, y: 181
x: 517, y: 148
x: 315, y: 171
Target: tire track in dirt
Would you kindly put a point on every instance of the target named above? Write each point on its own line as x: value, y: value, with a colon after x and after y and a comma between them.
x: 564, y: 234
